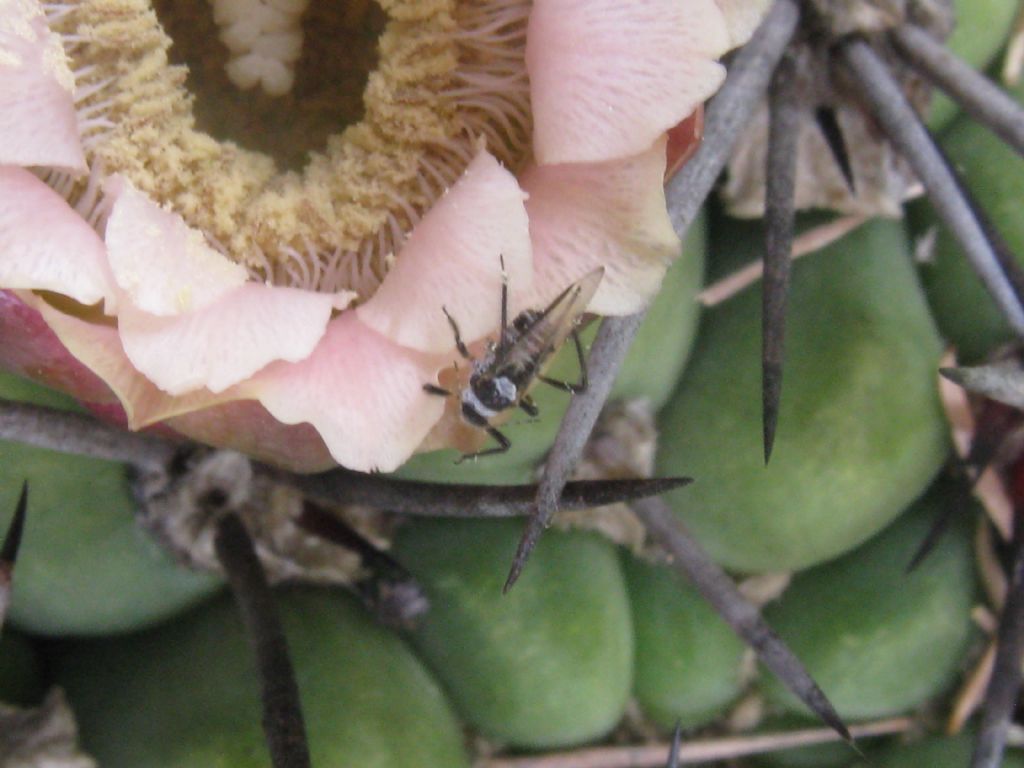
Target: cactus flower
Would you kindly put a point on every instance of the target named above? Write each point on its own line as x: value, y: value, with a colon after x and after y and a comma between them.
x: 163, y: 272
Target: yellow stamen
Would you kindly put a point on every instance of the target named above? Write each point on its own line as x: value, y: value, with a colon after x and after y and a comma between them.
x: 338, y: 222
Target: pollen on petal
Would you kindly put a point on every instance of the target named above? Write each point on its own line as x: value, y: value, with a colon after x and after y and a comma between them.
x: 611, y: 215
x: 452, y: 260
x: 165, y: 266
x: 226, y: 341
x: 38, y: 124
x: 363, y: 394
x: 45, y: 245
x: 608, y: 77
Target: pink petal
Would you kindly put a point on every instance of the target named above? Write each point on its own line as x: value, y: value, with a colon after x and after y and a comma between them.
x: 452, y: 259
x: 593, y: 215
x: 608, y: 77
x: 363, y: 394
x: 45, y: 245
x: 227, y: 341
x: 245, y: 425
x: 33, y: 350
x: 38, y: 124
x: 165, y: 266
x: 99, y: 348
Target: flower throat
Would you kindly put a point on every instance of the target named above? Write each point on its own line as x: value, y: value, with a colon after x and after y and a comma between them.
x: 319, y: 187
x: 339, y: 50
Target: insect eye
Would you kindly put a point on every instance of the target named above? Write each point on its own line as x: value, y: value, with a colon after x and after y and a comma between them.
x: 493, y: 393
x: 486, y: 389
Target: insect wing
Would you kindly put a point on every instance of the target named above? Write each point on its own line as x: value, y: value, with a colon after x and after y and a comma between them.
x: 551, y: 327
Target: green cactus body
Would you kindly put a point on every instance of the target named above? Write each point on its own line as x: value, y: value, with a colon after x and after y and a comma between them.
x: 937, y: 752
x: 861, y: 432
x: 688, y: 661
x: 981, y: 29
x: 84, y: 566
x: 186, y: 695
x: 836, y: 754
x: 992, y: 172
x: 550, y: 663
x: 879, y: 640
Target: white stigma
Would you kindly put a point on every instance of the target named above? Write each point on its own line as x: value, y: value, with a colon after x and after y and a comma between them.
x: 265, y: 40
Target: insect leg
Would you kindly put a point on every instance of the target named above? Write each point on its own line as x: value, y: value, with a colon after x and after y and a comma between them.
x: 503, y: 445
x: 530, y: 407
x: 583, y: 383
x: 459, y: 343
x: 433, y: 389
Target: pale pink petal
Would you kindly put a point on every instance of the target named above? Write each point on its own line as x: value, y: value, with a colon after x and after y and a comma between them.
x: 452, y: 260
x: 609, y: 215
x: 607, y: 77
x: 45, y: 245
x: 363, y: 394
x: 227, y: 341
x: 742, y: 18
x: 38, y: 124
x: 98, y: 347
x: 165, y: 266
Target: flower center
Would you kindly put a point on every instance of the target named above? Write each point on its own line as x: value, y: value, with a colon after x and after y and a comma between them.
x: 320, y: 187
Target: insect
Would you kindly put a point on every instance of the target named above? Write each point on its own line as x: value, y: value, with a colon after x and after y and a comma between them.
x: 502, y: 377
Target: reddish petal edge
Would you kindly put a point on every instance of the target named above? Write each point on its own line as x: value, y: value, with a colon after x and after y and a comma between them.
x: 247, y: 426
x: 683, y: 141
x: 32, y: 348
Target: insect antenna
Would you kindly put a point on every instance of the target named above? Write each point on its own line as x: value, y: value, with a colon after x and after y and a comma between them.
x: 503, y: 340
